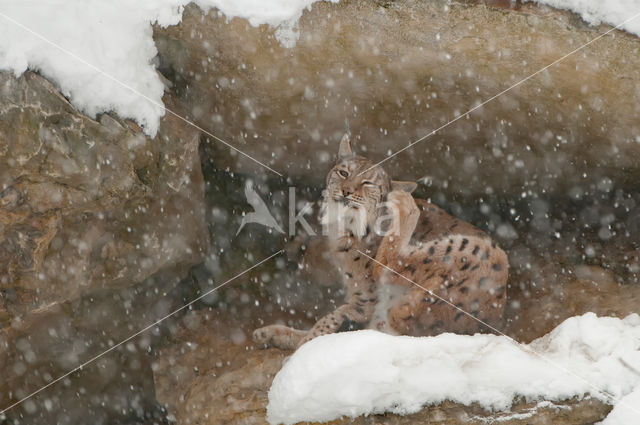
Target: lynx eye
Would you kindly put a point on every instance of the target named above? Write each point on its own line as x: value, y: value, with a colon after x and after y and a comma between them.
x: 343, y: 173
x: 368, y: 183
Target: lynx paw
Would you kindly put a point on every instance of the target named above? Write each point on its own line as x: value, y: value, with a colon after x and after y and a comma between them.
x: 278, y: 336
x: 265, y: 335
x: 400, y: 321
x: 344, y: 243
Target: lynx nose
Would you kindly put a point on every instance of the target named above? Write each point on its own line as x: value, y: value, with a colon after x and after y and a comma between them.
x: 346, y: 192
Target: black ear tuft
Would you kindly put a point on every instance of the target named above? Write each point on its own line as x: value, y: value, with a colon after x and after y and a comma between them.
x: 345, y: 147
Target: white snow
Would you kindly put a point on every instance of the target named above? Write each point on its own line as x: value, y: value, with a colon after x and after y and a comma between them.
x: 99, y: 53
x: 366, y: 372
x: 625, y: 413
x: 595, y: 12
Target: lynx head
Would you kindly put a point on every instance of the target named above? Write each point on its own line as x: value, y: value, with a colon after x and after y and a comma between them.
x: 356, y: 189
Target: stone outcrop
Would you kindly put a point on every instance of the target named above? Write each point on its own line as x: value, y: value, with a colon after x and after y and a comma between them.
x: 211, y: 373
x: 90, y: 205
x: 97, y: 223
x: 209, y: 377
x: 398, y: 70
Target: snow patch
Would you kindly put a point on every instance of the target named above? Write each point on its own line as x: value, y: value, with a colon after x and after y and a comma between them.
x: 525, y: 414
x: 104, y: 61
x: 108, y: 64
x: 367, y: 372
x: 595, y: 12
x: 626, y: 412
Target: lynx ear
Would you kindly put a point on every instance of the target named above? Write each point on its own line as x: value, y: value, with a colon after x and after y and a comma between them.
x: 403, y: 186
x: 345, y: 147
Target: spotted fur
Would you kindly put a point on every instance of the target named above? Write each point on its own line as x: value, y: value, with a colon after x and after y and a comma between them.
x: 426, y: 274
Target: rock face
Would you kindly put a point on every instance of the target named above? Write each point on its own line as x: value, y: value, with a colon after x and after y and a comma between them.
x: 98, y: 223
x: 206, y: 378
x: 585, y: 289
x: 203, y: 377
x: 98, y: 193
x: 90, y: 213
x: 398, y: 70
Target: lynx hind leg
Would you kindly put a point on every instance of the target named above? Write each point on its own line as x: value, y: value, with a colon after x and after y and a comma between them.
x: 279, y: 336
x: 422, y: 314
x: 405, y: 217
x: 407, y: 316
x: 469, y: 280
x: 405, y: 214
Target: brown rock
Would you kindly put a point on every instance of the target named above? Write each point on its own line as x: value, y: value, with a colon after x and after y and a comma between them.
x: 593, y: 290
x: 206, y: 378
x: 398, y: 70
x: 97, y: 224
x: 89, y: 205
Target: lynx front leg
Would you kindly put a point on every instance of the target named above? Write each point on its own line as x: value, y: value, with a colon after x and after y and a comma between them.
x: 354, y: 315
x: 340, y: 320
x: 278, y: 336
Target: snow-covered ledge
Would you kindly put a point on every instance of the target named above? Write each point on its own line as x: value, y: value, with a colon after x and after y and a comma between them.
x: 367, y: 372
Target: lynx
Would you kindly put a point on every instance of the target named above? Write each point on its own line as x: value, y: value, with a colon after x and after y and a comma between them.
x: 427, y: 274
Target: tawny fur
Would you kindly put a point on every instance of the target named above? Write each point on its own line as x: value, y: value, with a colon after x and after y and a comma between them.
x: 431, y: 250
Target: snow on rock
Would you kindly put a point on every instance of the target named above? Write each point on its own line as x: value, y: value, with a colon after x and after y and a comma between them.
x: 367, y: 372
x: 113, y: 37
x: 99, y: 54
x: 626, y: 412
x: 595, y: 12
x: 257, y: 12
